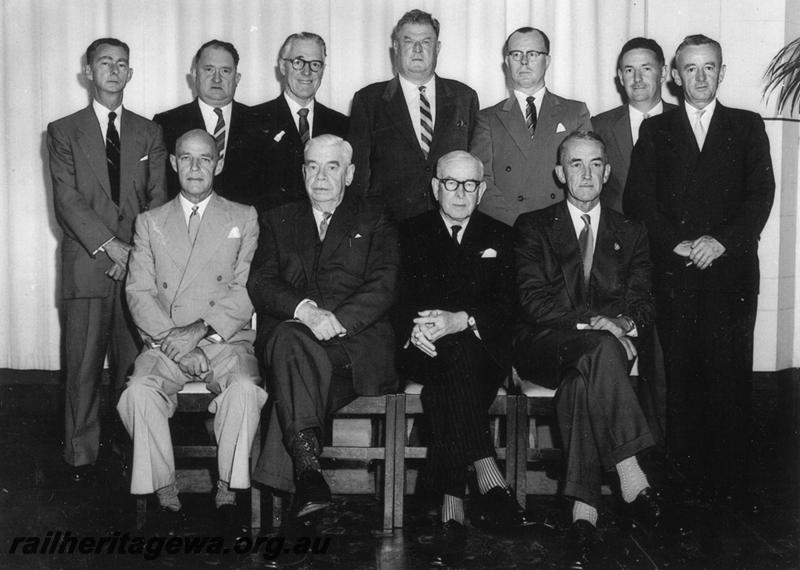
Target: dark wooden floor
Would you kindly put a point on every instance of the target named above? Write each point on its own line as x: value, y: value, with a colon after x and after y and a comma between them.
x: 33, y: 502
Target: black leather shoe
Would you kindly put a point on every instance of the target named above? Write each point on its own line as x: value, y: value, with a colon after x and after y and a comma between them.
x: 499, y: 508
x: 312, y: 493
x: 451, y: 539
x: 81, y: 476
x: 646, y: 511
x: 229, y: 524
x: 584, y: 547
x: 166, y: 522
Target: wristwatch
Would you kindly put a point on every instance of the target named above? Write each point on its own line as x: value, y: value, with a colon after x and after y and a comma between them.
x: 629, y: 324
x: 470, y: 322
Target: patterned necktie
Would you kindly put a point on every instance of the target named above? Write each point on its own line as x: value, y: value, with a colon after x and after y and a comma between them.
x: 530, y: 115
x: 455, y: 229
x: 425, y: 121
x: 305, y: 132
x: 112, y: 156
x: 194, y: 224
x: 323, y: 225
x: 699, y: 129
x: 586, y: 241
x: 219, y: 133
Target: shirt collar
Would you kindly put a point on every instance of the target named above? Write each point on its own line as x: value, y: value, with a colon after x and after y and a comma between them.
x: 522, y: 99
x: 691, y: 111
x: 449, y: 225
x: 294, y: 106
x: 636, y: 114
x: 101, y: 112
x: 575, y: 214
x: 412, y: 89
x: 187, y: 206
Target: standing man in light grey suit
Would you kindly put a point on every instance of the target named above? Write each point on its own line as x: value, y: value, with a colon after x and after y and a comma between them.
x: 641, y: 71
x: 517, y: 139
x: 107, y: 165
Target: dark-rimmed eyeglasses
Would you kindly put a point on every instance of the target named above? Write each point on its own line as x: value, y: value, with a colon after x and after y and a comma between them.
x: 531, y: 54
x: 451, y: 184
x: 299, y: 63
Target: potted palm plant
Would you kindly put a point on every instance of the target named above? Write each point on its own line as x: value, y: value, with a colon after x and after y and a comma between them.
x: 783, y: 73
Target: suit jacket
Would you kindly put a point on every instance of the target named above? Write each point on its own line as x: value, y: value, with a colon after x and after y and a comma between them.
x: 82, y: 192
x: 681, y: 193
x: 470, y: 277
x: 283, y: 154
x: 242, y: 173
x: 519, y: 172
x: 172, y: 284
x: 550, y: 271
x: 389, y: 161
x: 356, y: 279
x: 615, y: 128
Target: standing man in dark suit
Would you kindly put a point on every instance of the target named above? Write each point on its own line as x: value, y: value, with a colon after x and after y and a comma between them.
x: 399, y: 128
x: 701, y: 179
x: 517, y: 139
x: 324, y: 277
x: 107, y: 165
x: 641, y: 71
x: 583, y: 273
x: 457, y: 299
x: 295, y: 116
x: 215, y: 75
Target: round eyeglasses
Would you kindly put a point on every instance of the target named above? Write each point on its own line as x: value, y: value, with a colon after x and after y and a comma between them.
x: 451, y: 184
x: 298, y: 63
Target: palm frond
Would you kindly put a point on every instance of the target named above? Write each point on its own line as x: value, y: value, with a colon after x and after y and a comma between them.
x: 783, y: 73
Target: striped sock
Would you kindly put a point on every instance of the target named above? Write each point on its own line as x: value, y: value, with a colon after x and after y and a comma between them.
x: 224, y: 495
x: 168, y: 497
x: 453, y: 509
x: 583, y: 511
x: 489, y: 475
x: 632, y: 479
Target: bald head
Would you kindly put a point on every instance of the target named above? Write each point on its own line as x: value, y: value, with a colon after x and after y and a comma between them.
x: 458, y: 156
x: 197, y: 162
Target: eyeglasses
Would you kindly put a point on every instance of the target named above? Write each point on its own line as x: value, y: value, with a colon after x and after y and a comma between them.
x: 298, y: 64
x: 451, y: 185
x: 517, y: 55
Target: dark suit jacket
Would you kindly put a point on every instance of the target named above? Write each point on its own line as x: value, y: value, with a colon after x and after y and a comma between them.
x: 82, y: 192
x: 438, y: 275
x: 389, y: 161
x: 283, y: 154
x: 725, y: 191
x: 356, y: 279
x: 615, y: 128
x: 550, y: 271
x: 519, y: 171
x: 241, y: 176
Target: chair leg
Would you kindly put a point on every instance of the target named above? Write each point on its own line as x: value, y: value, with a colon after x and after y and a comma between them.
x: 399, y: 460
x: 277, y: 511
x: 141, y: 511
x: 511, y: 440
x: 389, y: 470
x: 255, y: 492
x: 522, y: 450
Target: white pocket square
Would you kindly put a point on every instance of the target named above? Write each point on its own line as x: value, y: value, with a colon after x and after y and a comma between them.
x: 279, y: 136
x: 561, y: 128
x: 145, y: 157
x: 234, y: 233
x: 489, y: 253
x: 357, y: 236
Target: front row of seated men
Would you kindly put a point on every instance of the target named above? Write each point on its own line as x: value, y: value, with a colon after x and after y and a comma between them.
x: 324, y: 277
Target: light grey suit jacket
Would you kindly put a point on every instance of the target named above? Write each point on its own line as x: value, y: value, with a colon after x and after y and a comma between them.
x: 519, y: 171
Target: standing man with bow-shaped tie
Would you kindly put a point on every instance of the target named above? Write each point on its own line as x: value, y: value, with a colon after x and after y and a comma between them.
x: 107, y: 165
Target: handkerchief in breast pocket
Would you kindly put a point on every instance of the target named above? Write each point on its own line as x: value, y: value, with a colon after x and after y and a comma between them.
x: 561, y: 128
x: 145, y: 157
x: 489, y: 252
x: 234, y: 233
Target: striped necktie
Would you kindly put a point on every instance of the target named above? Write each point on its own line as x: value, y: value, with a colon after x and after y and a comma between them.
x: 425, y: 121
x: 219, y: 133
x: 305, y: 132
x: 586, y: 241
x: 112, y: 156
x: 194, y: 224
x: 530, y: 115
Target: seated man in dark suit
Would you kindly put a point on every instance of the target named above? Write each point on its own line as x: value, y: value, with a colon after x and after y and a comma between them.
x: 323, y: 279
x: 457, y: 299
x: 292, y: 118
x: 583, y: 272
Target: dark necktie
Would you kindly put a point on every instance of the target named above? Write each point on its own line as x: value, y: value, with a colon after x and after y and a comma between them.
x: 586, y: 241
x: 425, y: 122
x: 455, y: 229
x: 530, y: 115
x: 219, y: 133
x: 305, y: 132
x: 323, y: 225
x: 112, y: 156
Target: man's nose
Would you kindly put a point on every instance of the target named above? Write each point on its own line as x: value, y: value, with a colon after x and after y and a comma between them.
x: 586, y: 173
x: 417, y: 47
x: 701, y: 74
x: 637, y: 75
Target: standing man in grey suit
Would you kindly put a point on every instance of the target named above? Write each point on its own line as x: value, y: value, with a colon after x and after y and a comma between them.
x: 107, y: 165
x: 399, y: 128
x: 295, y: 116
x: 517, y: 139
x: 641, y: 71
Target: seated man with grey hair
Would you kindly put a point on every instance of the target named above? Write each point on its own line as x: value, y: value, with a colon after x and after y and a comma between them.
x: 323, y: 279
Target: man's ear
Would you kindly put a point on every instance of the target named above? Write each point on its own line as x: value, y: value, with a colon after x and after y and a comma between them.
x: 348, y: 174
x: 560, y: 174
x: 606, y: 173
x: 481, y: 192
x: 676, y: 77
x: 174, y: 162
x: 218, y: 168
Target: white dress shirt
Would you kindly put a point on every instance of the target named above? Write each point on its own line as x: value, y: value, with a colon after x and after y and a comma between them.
x: 102, y: 112
x: 705, y: 120
x: 637, y: 117
x: 522, y: 99
x: 294, y: 107
x: 449, y: 225
x: 187, y: 206
x: 210, y: 118
x: 411, y: 94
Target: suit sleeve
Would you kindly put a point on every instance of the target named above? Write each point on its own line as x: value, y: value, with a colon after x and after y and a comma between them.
x: 481, y: 146
x: 148, y: 313
x: 584, y: 118
x: 74, y: 213
x: 157, y: 176
x: 360, y: 137
x: 373, y: 299
x: 232, y: 312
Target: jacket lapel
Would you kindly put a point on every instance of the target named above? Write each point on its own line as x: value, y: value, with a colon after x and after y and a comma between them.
x: 606, y: 252
x: 622, y: 136
x: 94, y: 147
x: 341, y: 225
x: 510, y: 115
x: 304, y: 229
x: 445, y: 113
x: 132, y: 143
x: 397, y: 111
x: 214, y: 228
x: 176, y: 234
x: 568, y: 252
x: 287, y: 124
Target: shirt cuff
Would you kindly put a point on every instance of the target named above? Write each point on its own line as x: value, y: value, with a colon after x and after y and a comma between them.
x: 102, y: 248
x: 300, y: 304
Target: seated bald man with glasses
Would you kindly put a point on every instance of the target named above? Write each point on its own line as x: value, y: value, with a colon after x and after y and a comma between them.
x: 455, y: 314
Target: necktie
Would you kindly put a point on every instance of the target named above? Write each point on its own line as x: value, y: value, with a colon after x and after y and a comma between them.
x: 305, y: 132
x: 219, y: 133
x: 586, y: 241
x: 699, y: 129
x: 194, y: 224
x: 455, y: 229
x: 635, y: 134
x: 323, y: 225
x: 530, y: 115
x: 425, y: 121
x: 112, y: 156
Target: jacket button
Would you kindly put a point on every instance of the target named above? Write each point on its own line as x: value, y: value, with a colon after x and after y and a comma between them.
x: 164, y: 284
x: 212, y: 303
x: 219, y: 277
x: 520, y: 198
x: 508, y: 169
x: 427, y: 169
x: 552, y: 196
x: 121, y: 217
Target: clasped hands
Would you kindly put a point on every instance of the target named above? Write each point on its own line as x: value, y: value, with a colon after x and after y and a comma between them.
x: 180, y: 345
x: 322, y: 322
x: 701, y: 252
x: 433, y: 324
x: 118, y: 252
x: 615, y: 326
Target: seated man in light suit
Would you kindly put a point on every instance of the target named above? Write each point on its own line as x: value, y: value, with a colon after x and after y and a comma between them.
x: 323, y: 279
x: 186, y: 291
x: 583, y: 273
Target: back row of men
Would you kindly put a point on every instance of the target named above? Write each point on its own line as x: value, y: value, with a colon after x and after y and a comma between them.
x: 700, y: 178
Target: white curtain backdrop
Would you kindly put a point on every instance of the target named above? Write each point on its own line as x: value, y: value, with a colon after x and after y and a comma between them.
x: 43, y: 42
